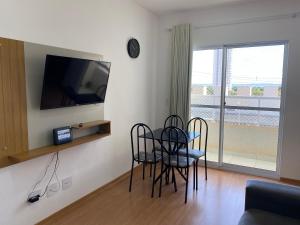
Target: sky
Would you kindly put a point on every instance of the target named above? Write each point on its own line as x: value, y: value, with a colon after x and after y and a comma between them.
x: 248, y: 65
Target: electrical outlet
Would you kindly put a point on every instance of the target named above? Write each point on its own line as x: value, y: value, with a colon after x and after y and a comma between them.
x: 66, y: 183
x: 35, y: 193
x: 52, y: 189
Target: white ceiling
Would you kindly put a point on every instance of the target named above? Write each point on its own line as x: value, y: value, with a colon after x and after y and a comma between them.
x: 167, y: 6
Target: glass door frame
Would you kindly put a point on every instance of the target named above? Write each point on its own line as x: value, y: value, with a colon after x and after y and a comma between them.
x: 237, y: 168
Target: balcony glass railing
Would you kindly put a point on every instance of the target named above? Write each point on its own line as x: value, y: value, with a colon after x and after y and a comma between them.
x: 250, y: 133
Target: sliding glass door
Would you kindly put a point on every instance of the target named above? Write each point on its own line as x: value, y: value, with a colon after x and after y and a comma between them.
x: 206, y: 94
x: 238, y: 90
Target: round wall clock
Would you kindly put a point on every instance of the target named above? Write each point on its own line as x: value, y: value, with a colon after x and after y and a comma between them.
x: 133, y: 48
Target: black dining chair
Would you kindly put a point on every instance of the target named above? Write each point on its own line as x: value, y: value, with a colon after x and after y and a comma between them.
x: 174, y: 139
x: 171, y: 121
x: 198, y: 146
x: 174, y: 121
x: 142, y: 150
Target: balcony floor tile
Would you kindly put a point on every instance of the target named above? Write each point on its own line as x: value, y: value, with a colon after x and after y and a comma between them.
x: 249, y: 160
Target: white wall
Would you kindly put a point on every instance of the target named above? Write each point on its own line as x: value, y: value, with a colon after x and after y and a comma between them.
x: 283, y: 29
x: 97, y: 26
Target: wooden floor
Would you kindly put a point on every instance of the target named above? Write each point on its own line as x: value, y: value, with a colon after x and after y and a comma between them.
x: 219, y: 201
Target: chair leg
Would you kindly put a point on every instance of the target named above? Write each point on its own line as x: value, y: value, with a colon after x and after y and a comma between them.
x: 167, y: 176
x: 169, y: 171
x: 174, y: 179
x: 143, y: 171
x: 205, y: 168
x: 186, y: 186
x: 131, y: 173
x: 153, y: 182
x: 160, y: 182
x: 194, y: 175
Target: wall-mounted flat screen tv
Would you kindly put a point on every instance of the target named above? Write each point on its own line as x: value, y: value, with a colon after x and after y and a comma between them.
x: 72, y: 81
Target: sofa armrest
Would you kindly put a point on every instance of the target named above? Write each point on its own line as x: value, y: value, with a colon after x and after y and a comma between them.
x: 272, y: 197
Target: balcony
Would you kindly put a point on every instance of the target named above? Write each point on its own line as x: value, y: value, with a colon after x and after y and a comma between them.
x: 250, y: 128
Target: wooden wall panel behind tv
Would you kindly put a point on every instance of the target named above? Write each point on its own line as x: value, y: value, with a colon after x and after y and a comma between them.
x: 13, y: 109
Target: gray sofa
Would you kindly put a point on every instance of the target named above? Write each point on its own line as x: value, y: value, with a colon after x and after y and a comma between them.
x: 271, y: 204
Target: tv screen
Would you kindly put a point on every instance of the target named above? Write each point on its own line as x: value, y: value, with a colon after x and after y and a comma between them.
x: 71, y: 81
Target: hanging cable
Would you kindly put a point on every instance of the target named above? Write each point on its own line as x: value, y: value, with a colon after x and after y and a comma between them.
x: 54, y: 174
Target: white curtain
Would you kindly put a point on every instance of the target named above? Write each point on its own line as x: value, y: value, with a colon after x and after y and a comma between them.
x: 180, y: 77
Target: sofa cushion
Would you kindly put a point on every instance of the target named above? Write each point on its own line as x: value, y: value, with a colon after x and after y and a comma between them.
x: 260, y: 217
x: 273, y: 197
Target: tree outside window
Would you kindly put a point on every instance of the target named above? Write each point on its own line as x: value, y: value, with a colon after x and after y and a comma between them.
x: 210, y: 90
x: 233, y: 91
x: 257, y: 91
x: 279, y: 91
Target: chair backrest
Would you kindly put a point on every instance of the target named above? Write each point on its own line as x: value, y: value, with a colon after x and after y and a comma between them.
x: 198, y: 124
x: 141, y: 134
x: 174, y: 121
x: 172, y: 140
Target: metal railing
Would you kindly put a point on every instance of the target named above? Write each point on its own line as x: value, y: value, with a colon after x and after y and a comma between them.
x: 242, y: 115
x: 253, y: 101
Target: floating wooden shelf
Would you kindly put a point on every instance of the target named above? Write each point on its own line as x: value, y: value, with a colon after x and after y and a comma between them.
x: 34, y: 153
x: 87, y: 125
x: 104, y: 131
